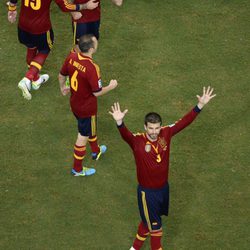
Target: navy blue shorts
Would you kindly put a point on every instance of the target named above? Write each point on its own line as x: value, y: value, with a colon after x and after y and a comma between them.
x: 43, y: 42
x: 80, y: 29
x: 87, y: 126
x: 153, y: 203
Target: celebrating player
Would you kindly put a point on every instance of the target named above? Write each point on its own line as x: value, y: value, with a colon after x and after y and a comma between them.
x: 35, y: 32
x: 89, y: 23
x: 85, y: 87
x: 151, y: 152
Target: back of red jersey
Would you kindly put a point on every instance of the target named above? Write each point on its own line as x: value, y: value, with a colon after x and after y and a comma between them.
x: 35, y: 14
x: 84, y: 76
x: 89, y: 15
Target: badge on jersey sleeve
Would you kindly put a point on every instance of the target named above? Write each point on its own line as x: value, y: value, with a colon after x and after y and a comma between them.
x: 148, y: 147
x: 100, y: 83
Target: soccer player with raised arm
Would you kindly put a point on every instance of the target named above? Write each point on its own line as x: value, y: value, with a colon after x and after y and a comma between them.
x: 85, y: 87
x: 151, y: 152
x: 35, y: 32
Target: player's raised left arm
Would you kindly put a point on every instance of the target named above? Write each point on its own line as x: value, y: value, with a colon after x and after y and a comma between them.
x: 190, y: 116
x: 117, y: 114
x: 206, y: 97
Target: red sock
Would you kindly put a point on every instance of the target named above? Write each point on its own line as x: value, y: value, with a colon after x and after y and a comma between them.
x: 35, y: 66
x: 156, y: 240
x: 79, y: 154
x: 36, y: 77
x: 93, y: 144
x: 31, y: 73
x: 141, y: 236
x: 30, y: 54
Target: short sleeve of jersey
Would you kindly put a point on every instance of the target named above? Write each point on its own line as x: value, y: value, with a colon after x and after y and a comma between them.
x: 94, y: 78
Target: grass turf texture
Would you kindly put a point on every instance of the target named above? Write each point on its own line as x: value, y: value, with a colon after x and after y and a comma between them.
x: 162, y: 53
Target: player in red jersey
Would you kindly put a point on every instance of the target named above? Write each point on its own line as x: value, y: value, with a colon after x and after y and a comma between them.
x: 85, y: 87
x: 35, y: 32
x: 89, y: 23
x: 151, y: 152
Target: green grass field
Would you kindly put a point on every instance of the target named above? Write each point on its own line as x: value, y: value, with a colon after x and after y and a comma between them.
x: 162, y: 53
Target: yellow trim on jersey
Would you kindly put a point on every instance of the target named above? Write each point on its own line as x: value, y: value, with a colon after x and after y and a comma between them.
x: 49, y: 41
x: 80, y: 148
x: 37, y: 65
x: 83, y: 58
x: 156, y: 234
x: 79, y: 157
x: 145, y: 209
x: 92, y: 139
x: 137, y: 134
x: 74, y: 33
x: 68, y: 5
x: 93, y: 125
x: 140, y: 238
x: 97, y: 70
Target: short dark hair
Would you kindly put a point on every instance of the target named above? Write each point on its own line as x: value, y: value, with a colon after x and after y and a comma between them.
x: 152, y: 117
x: 86, y: 42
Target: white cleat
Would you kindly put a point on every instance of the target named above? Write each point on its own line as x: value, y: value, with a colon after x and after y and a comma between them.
x: 24, y: 85
x: 41, y: 80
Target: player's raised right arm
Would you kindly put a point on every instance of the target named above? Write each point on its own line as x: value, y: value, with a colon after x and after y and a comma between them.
x: 117, y: 114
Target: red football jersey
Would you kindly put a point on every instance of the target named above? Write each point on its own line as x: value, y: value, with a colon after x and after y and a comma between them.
x: 152, y: 158
x: 89, y: 15
x: 84, y: 76
x: 35, y: 14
